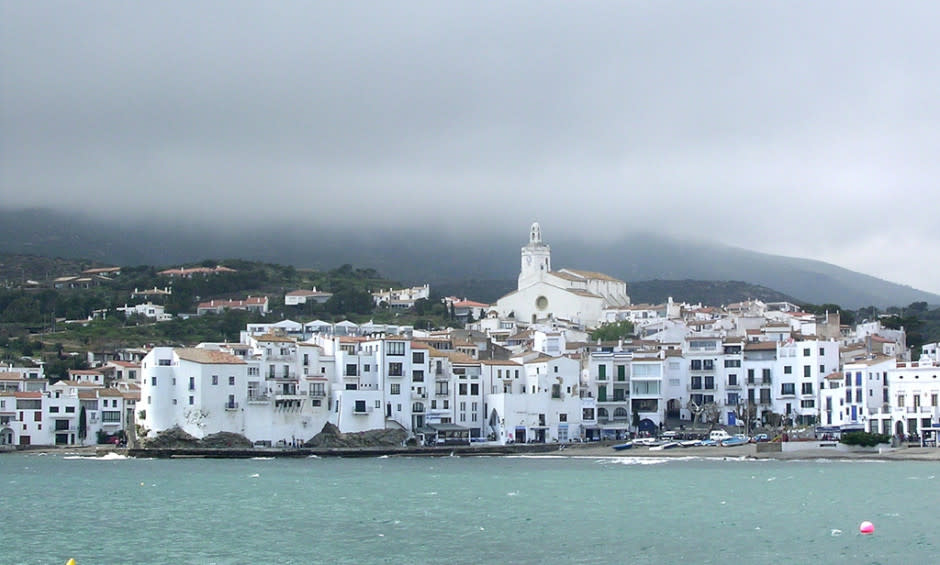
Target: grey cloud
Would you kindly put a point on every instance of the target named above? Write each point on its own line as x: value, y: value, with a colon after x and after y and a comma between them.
x: 784, y: 127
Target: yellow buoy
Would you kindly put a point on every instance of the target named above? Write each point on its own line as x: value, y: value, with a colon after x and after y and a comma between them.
x: 70, y: 562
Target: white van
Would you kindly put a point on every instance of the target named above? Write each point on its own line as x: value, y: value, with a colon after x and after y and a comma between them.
x: 718, y: 435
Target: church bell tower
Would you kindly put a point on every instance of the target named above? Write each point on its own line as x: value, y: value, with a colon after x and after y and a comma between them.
x: 536, y: 258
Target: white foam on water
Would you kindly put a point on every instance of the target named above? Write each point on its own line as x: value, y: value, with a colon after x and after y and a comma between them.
x: 835, y: 532
x: 262, y: 458
x: 106, y: 457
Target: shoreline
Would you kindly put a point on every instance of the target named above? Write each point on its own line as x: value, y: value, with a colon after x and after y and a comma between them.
x: 742, y: 452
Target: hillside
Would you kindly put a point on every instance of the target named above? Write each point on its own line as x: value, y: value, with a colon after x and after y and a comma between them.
x: 419, y: 255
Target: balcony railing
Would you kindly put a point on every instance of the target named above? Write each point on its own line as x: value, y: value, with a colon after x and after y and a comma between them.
x: 231, y: 406
x: 259, y: 398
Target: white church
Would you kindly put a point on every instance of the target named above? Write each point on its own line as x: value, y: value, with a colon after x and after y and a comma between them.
x: 544, y: 295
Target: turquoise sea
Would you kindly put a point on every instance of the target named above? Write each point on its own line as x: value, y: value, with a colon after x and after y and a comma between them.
x: 465, y: 510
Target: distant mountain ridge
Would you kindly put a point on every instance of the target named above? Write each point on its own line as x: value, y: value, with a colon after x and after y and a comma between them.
x: 417, y: 254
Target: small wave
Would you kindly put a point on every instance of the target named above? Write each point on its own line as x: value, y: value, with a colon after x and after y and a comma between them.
x: 106, y: 457
x: 835, y: 532
x: 262, y: 458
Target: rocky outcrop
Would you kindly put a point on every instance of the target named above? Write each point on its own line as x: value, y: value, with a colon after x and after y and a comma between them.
x: 176, y: 438
x: 225, y: 440
x: 330, y: 436
x: 173, y: 438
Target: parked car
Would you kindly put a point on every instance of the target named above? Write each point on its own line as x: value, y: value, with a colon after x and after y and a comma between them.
x: 761, y: 437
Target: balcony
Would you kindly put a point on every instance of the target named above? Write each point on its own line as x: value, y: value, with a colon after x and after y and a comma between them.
x: 317, y: 393
x: 258, y: 398
x: 231, y: 406
x: 733, y: 386
x: 690, y: 388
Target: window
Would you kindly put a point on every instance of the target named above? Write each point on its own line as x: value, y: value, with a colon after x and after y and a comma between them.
x: 900, y: 401
x: 696, y: 365
x: 765, y: 396
x: 765, y: 376
x: 69, y: 409
x: 395, y: 388
x: 621, y: 372
x: 153, y: 381
x: 446, y: 404
x: 360, y: 406
x: 787, y: 388
x: 395, y: 369
x: 556, y: 391
x: 441, y: 387
x: 365, y: 368
x: 54, y: 409
x: 587, y: 414
x: 351, y: 370
x: 317, y: 389
x: 696, y: 383
x: 417, y: 357
x: 164, y: 362
x: 474, y: 389
x: 709, y: 383
x: 806, y: 352
x: 395, y: 347
x: 231, y: 381
x: 417, y: 376
x: 822, y: 369
x: 788, y: 369
x: 192, y: 386
x: 111, y: 416
x: 37, y: 416
x: 732, y: 380
x: 732, y: 363
x: 750, y: 376
x: 191, y: 400
x: 806, y: 388
x: 462, y: 389
x: 809, y: 403
x: 601, y: 373
x: 708, y: 365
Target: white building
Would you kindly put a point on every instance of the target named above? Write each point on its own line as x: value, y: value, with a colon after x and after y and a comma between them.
x: 543, y: 294
x: 147, y: 310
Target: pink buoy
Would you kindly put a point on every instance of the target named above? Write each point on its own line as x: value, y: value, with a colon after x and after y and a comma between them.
x: 866, y: 528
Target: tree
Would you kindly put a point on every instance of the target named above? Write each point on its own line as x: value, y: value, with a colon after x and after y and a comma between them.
x: 82, y: 425
x: 613, y: 331
x: 636, y: 422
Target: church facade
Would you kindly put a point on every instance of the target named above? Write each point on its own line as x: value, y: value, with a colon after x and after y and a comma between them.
x: 543, y: 295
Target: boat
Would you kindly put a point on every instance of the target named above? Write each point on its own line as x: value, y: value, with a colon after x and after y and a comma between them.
x: 690, y: 443
x: 647, y: 441
x: 623, y: 446
x: 667, y: 445
x: 733, y: 441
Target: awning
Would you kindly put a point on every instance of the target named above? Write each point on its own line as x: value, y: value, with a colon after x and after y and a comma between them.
x: 448, y: 428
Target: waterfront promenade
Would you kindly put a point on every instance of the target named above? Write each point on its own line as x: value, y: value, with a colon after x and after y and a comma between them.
x: 586, y: 450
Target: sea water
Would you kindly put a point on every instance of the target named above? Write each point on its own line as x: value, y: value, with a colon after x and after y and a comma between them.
x: 464, y: 510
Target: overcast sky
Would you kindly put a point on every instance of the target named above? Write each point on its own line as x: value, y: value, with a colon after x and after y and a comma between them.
x: 809, y: 129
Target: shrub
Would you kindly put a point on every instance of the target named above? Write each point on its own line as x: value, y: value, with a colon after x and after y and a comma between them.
x: 864, y: 439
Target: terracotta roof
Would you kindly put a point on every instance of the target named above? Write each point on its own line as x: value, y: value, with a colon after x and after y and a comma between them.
x: 761, y: 346
x: 461, y: 358
x: 8, y: 376
x: 112, y: 392
x: 590, y: 275
x: 277, y: 338
x: 470, y: 304
x: 500, y: 362
x: 87, y: 395
x: 128, y: 364
x: 834, y: 376
x: 208, y: 356
x: 29, y: 394
x: 85, y: 372
x: 69, y: 382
